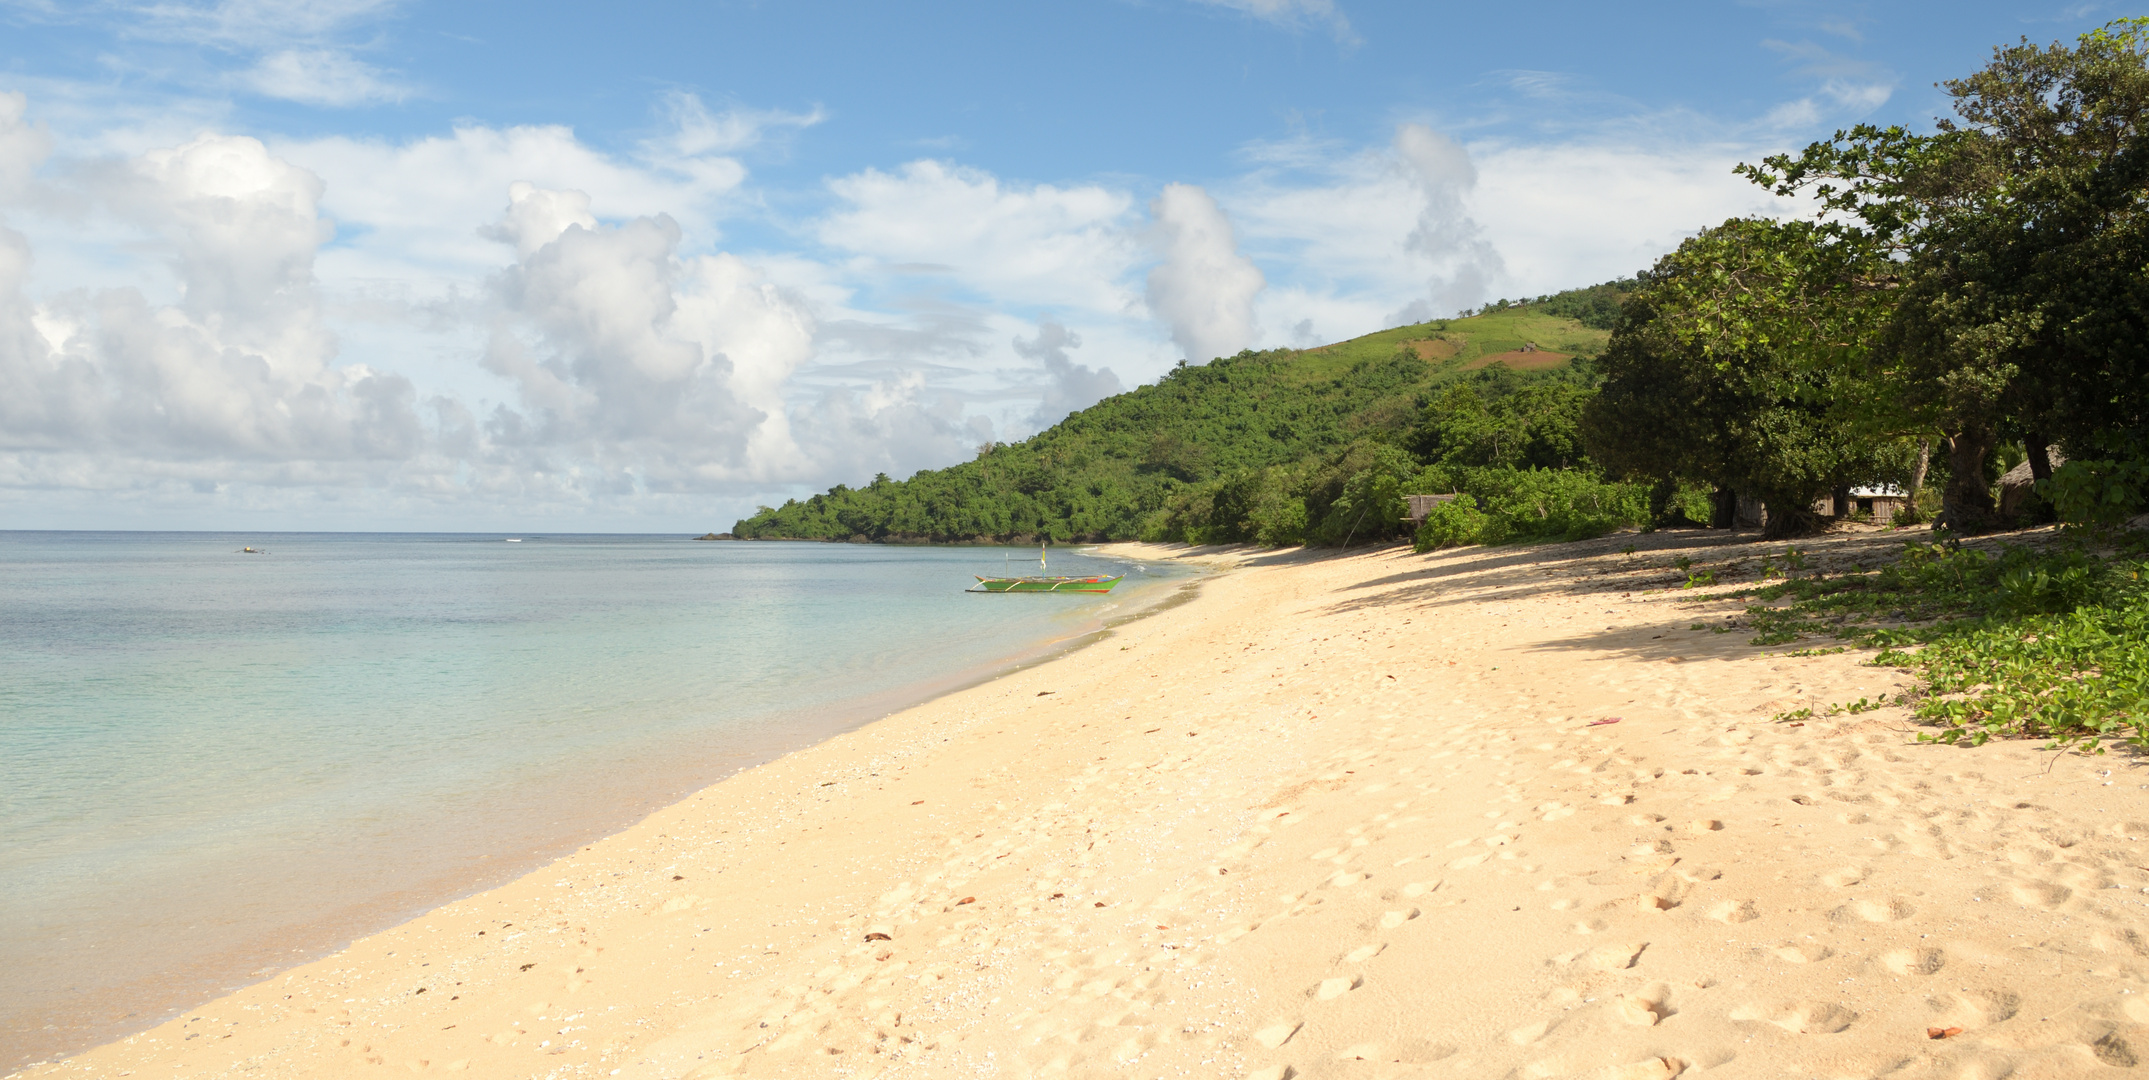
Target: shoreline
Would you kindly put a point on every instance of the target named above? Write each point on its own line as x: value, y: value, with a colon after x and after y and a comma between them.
x: 144, y: 1003
x: 1340, y: 814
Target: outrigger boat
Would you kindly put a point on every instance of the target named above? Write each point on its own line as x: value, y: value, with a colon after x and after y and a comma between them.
x: 1041, y: 583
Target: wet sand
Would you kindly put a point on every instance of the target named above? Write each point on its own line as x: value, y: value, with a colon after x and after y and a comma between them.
x: 1338, y: 816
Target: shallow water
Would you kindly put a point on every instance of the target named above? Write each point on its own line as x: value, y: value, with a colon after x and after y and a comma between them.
x: 214, y: 764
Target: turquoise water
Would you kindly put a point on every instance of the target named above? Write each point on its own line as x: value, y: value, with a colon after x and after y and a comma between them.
x: 213, y: 764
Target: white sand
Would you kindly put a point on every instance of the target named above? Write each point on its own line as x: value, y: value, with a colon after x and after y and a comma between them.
x: 1337, y: 817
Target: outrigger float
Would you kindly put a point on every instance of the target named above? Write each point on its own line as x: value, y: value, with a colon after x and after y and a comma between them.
x: 1042, y: 583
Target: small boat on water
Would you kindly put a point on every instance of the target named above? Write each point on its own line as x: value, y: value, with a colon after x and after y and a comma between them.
x: 1040, y: 583
x: 1045, y: 584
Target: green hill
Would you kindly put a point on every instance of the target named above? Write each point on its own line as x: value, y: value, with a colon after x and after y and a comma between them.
x: 1149, y: 463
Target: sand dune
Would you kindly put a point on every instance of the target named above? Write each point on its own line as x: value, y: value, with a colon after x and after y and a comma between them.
x: 1338, y: 817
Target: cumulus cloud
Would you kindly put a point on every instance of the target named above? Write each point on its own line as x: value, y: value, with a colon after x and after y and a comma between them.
x: 239, y: 369
x: 1204, y: 289
x: 1445, y: 236
x: 895, y: 425
x: 1069, y: 386
x: 1041, y: 244
x: 622, y: 352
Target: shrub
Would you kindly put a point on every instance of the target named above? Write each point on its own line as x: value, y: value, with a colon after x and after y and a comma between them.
x: 1554, y: 504
x: 1451, y: 524
x: 2097, y: 492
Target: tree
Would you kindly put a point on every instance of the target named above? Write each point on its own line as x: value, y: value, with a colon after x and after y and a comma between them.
x: 2019, y: 236
x: 1732, y: 367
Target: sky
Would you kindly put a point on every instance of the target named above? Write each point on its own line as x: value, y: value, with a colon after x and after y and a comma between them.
x: 381, y: 265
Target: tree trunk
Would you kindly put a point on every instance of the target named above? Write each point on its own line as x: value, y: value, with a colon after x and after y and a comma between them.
x: 1842, y: 505
x: 1791, y: 516
x: 1966, y: 506
x: 1724, y: 509
x: 1917, y: 472
x: 1662, y: 515
x: 2040, y: 456
x: 2035, y: 510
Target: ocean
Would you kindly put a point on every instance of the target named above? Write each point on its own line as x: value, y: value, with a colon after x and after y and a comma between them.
x: 214, y: 765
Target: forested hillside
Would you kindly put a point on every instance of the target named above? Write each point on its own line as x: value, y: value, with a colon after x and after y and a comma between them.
x: 1955, y: 304
x: 1283, y: 431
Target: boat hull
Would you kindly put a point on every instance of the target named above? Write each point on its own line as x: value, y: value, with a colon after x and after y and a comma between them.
x: 1045, y: 584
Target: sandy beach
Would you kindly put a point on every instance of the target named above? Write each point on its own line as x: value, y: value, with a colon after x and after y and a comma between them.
x: 1338, y: 816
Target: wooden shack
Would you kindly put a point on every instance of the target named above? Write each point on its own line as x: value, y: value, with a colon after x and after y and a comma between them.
x: 1878, y: 504
x: 1421, y: 506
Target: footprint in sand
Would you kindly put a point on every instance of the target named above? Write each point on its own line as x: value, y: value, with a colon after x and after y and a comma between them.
x: 1801, y: 1018
x: 1529, y: 1033
x: 1644, y: 1008
x: 1873, y: 911
x: 1363, y: 953
x: 1914, y: 961
x: 1844, y: 878
x: 1735, y: 911
x: 1615, y: 957
x: 2115, y: 1051
x: 1276, y: 1035
x: 2040, y: 894
x: 1974, y: 1008
x: 1802, y: 952
x: 1330, y: 989
x: 1392, y: 919
x: 1656, y: 1068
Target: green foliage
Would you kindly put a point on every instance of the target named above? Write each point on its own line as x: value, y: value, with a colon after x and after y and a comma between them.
x: 1451, y: 524
x: 1502, y: 419
x: 1276, y: 447
x: 2088, y: 492
x: 1554, y: 504
x: 2014, y: 235
x: 1506, y: 505
x: 1596, y: 307
x: 1733, y: 368
x: 1357, y: 495
x: 2025, y: 642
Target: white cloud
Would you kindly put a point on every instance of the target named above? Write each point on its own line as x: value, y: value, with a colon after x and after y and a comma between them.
x: 1041, y: 244
x: 1576, y: 214
x: 512, y: 319
x: 321, y: 77
x: 259, y: 23
x: 23, y: 145
x: 238, y: 371
x: 1372, y: 238
x: 591, y: 340
x: 1069, y: 387
x: 1203, y: 288
x: 1427, y: 226
x: 1446, y: 237
x: 696, y: 131
x: 1294, y: 13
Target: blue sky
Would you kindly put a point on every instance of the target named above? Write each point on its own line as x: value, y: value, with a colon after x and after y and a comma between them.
x: 362, y: 264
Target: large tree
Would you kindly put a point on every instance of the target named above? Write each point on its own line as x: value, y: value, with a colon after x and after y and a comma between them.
x: 1735, y: 366
x: 2020, y: 238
